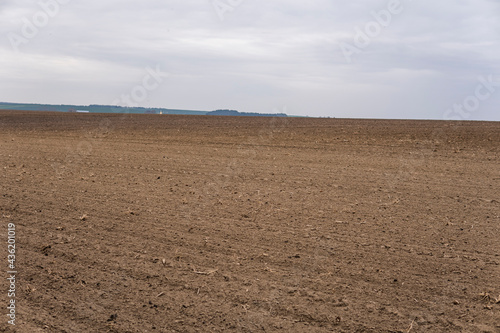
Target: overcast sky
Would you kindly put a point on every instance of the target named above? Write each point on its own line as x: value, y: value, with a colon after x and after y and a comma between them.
x: 362, y: 59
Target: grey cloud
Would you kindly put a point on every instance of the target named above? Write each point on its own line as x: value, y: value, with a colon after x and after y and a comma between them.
x: 263, y: 55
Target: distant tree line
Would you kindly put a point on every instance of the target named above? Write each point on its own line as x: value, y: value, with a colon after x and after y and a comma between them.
x: 226, y: 112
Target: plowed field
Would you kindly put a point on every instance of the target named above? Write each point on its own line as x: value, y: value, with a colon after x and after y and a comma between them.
x: 149, y: 223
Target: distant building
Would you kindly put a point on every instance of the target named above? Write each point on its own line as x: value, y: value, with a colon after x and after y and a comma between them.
x: 82, y: 111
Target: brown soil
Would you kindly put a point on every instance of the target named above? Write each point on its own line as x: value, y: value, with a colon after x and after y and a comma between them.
x: 148, y: 223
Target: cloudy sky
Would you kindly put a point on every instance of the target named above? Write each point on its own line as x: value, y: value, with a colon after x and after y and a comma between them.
x: 360, y: 58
